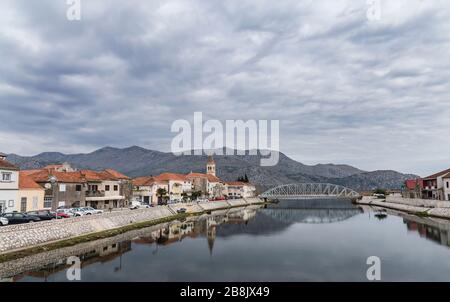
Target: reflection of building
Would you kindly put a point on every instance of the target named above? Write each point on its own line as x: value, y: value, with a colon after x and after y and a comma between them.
x: 100, y: 254
x: 434, y: 233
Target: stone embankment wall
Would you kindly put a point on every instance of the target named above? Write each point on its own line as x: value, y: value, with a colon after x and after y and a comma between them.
x: 419, y: 202
x: 16, y: 237
x: 443, y: 212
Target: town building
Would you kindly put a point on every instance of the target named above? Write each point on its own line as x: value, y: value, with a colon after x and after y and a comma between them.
x: 67, y: 187
x: 238, y: 189
x: 434, y: 186
x: 180, y: 187
x: 31, y: 194
x: 9, y: 185
x: 446, y: 186
x: 413, y: 188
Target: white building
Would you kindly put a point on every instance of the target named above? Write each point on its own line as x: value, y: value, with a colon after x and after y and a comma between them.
x: 237, y: 189
x: 446, y: 186
x: 9, y: 185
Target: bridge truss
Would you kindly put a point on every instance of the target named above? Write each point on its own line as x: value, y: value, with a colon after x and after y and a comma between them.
x: 310, y: 191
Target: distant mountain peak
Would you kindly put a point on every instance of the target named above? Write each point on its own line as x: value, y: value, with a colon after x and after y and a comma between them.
x: 137, y: 161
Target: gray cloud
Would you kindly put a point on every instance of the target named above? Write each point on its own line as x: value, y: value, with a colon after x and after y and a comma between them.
x: 346, y: 90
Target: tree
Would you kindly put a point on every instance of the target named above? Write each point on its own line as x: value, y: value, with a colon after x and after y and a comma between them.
x: 195, y: 195
x: 246, y: 178
x: 161, y: 193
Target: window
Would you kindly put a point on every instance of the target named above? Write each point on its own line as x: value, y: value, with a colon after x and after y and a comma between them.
x: 107, y: 188
x: 48, y: 202
x: 448, y: 184
x: 6, y: 176
x: 11, y: 203
x: 62, y: 188
x: 35, y: 202
x: 23, y: 204
x: 78, y: 188
x: 116, y: 187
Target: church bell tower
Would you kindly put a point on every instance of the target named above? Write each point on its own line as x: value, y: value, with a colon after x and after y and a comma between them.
x: 211, y: 166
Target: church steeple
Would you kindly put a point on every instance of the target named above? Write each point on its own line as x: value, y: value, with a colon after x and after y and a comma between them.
x: 211, y: 166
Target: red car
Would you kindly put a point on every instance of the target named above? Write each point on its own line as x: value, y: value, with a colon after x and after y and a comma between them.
x: 63, y: 215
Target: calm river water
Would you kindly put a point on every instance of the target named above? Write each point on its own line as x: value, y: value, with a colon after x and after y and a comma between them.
x: 326, y: 240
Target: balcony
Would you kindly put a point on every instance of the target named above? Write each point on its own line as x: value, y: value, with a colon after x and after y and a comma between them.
x: 95, y: 193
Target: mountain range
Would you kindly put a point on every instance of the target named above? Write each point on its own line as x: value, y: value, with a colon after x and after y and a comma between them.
x: 137, y: 161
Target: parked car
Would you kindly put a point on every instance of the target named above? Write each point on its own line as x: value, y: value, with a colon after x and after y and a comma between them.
x: 64, y: 213
x: 139, y: 206
x: 182, y: 210
x: 3, y: 221
x: 91, y: 211
x: 42, y: 214
x: 77, y: 212
x: 18, y: 218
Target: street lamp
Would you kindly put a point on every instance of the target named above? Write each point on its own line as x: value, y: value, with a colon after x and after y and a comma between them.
x: 53, y: 181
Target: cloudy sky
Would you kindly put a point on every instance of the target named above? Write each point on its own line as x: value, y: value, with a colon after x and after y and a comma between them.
x: 346, y: 89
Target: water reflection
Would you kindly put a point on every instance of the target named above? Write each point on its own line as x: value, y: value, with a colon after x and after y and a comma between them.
x: 188, y: 241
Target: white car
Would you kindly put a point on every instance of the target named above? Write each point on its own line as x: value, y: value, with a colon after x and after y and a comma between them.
x: 77, y: 212
x: 91, y: 211
x: 3, y: 221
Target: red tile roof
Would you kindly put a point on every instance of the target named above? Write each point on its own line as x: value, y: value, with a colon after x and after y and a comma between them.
x: 143, y: 181
x: 434, y: 176
x: 7, y: 165
x: 411, y: 184
x: 117, y: 174
x: 170, y: 176
x: 26, y: 182
x: 211, y: 178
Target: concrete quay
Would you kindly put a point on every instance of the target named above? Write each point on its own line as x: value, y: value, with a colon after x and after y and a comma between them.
x: 19, y: 237
x: 411, y: 206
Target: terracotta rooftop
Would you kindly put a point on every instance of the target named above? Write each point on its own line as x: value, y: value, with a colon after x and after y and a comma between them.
x: 26, y: 182
x: 7, y: 165
x: 143, y: 181
x: 170, y: 176
x: 117, y: 174
x: 434, y: 176
x: 211, y: 178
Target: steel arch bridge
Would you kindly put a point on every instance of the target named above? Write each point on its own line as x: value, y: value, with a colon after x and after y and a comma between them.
x: 310, y: 191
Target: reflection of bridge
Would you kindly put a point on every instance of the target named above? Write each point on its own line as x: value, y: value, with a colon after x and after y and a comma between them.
x: 310, y: 191
x: 311, y: 215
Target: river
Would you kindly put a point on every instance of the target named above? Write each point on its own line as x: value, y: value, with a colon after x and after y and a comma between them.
x: 322, y: 240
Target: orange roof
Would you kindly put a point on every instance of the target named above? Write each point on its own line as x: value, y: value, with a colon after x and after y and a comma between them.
x: 437, y: 174
x: 170, y: 176
x: 7, y: 165
x: 90, y: 175
x: 143, y: 181
x: 68, y: 177
x: 211, y: 178
x: 117, y: 174
x: 26, y: 182
x: 29, y: 172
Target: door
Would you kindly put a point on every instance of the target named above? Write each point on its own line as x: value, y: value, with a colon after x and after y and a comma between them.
x: 23, y: 204
x: 146, y: 199
x: 2, y: 206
